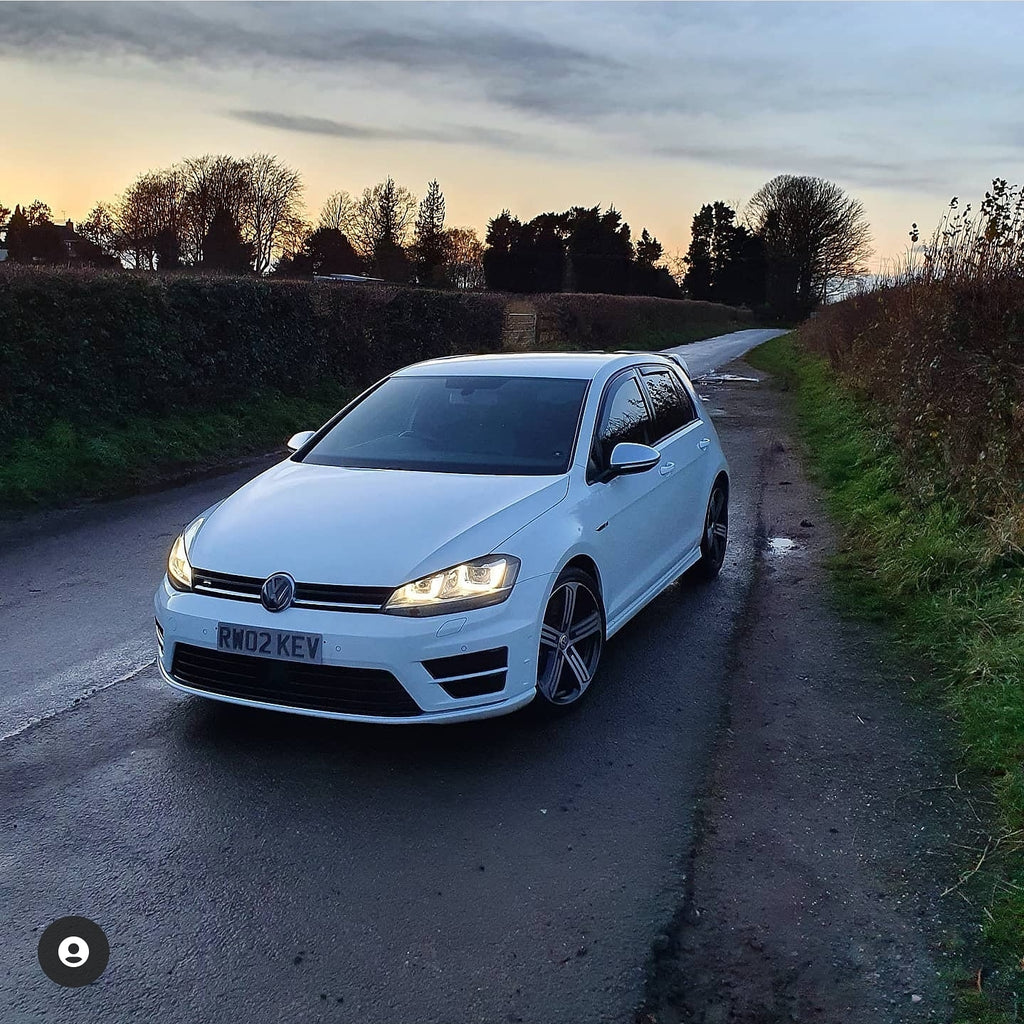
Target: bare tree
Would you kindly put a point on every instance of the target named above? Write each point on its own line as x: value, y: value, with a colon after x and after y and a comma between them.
x: 275, y: 194
x: 101, y: 228
x: 338, y: 212
x: 37, y: 213
x: 211, y: 183
x: 148, y: 219
x: 466, y: 258
x: 294, y: 234
x: 815, y: 236
x: 382, y: 218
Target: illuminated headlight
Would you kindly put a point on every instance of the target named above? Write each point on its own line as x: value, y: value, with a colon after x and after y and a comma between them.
x: 179, y: 570
x: 475, y: 584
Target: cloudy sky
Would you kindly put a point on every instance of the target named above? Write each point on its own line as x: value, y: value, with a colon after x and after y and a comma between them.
x: 652, y: 107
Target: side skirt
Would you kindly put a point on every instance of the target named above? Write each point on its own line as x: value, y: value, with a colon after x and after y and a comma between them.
x: 614, y: 625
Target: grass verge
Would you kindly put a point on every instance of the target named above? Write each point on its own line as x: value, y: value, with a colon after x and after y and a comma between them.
x: 68, y: 464
x: 921, y: 560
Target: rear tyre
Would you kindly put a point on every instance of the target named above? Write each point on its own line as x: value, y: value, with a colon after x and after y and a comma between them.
x: 715, y: 537
x: 571, y: 642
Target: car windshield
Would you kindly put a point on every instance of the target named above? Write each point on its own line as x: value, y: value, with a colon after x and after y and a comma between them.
x: 522, y: 426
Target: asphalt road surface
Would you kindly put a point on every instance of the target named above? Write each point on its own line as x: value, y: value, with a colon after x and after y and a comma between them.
x: 272, y: 868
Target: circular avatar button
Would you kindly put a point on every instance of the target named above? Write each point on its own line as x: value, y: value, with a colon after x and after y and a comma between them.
x: 73, y: 951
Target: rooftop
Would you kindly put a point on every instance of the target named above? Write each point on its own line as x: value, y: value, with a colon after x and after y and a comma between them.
x: 529, y: 364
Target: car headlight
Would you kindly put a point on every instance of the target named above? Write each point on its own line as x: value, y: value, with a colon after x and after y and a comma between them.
x: 475, y: 584
x: 179, y: 569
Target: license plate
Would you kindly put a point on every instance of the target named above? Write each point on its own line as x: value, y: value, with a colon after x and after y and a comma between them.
x: 270, y: 643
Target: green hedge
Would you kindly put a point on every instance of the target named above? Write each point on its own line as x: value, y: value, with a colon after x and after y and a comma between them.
x: 93, y: 350
x: 98, y: 348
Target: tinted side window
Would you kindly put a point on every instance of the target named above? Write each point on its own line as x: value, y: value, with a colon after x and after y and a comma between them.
x: 624, y: 418
x: 672, y: 406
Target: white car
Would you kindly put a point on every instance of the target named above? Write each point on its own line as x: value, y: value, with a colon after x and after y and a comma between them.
x: 458, y: 541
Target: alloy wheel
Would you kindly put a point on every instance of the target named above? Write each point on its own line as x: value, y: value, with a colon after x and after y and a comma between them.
x: 716, y: 529
x: 571, y: 639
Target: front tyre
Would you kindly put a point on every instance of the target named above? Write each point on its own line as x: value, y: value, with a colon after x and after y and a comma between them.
x: 715, y: 537
x: 571, y: 641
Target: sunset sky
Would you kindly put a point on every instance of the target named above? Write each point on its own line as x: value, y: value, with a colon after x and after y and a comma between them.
x: 654, y: 108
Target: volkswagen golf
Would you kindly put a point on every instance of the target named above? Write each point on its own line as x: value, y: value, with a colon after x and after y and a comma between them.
x: 458, y: 541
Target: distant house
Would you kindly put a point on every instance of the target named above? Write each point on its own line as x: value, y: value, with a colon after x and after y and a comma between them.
x: 73, y: 241
x: 56, y: 245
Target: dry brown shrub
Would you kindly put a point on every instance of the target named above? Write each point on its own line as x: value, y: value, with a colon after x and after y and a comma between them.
x: 939, y: 345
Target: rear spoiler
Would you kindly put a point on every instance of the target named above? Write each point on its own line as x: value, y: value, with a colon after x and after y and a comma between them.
x: 679, y: 361
x: 674, y: 356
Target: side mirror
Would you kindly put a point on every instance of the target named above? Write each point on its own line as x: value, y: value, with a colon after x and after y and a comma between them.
x: 632, y: 458
x: 296, y: 441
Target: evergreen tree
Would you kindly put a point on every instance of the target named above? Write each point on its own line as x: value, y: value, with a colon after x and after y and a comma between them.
x: 223, y: 247
x: 648, y: 249
x: 430, y: 242
x: 324, y: 251
x: 503, y: 263
x: 17, y: 237
x: 167, y: 247
x: 725, y: 262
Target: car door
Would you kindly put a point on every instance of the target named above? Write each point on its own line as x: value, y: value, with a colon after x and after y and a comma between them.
x: 618, y: 510
x: 681, y: 500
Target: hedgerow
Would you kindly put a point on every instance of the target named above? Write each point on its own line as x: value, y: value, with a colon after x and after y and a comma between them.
x: 84, y: 347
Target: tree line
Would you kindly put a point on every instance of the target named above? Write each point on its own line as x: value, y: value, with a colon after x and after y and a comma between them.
x: 583, y: 249
x: 219, y: 213
x: 802, y: 239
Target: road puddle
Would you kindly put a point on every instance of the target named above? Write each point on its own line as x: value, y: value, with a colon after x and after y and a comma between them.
x: 780, y: 545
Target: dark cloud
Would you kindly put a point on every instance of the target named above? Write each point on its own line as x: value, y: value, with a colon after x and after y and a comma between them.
x: 457, y: 134
x: 921, y: 83
x: 853, y: 167
x: 332, y: 36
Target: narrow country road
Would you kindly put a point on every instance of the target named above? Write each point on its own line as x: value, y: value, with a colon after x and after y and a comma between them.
x: 76, y: 586
x: 283, y: 869
x: 714, y: 353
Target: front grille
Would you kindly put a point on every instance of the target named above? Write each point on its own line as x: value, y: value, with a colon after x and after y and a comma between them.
x: 307, y: 595
x: 470, y: 675
x: 353, y: 691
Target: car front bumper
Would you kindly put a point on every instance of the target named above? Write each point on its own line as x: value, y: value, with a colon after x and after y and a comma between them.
x: 395, y: 644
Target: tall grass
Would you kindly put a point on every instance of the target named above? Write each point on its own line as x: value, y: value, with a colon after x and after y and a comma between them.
x: 912, y: 399
x: 939, y: 345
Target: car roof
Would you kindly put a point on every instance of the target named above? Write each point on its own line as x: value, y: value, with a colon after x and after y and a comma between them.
x: 577, y: 365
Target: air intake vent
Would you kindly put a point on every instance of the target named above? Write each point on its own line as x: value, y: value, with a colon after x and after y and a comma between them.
x: 471, y: 675
x: 468, y: 664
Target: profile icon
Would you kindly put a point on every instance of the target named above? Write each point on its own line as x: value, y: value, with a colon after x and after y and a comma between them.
x: 73, y: 951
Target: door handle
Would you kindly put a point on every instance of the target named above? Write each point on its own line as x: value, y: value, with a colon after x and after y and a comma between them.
x: 666, y: 467
x: 703, y: 443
